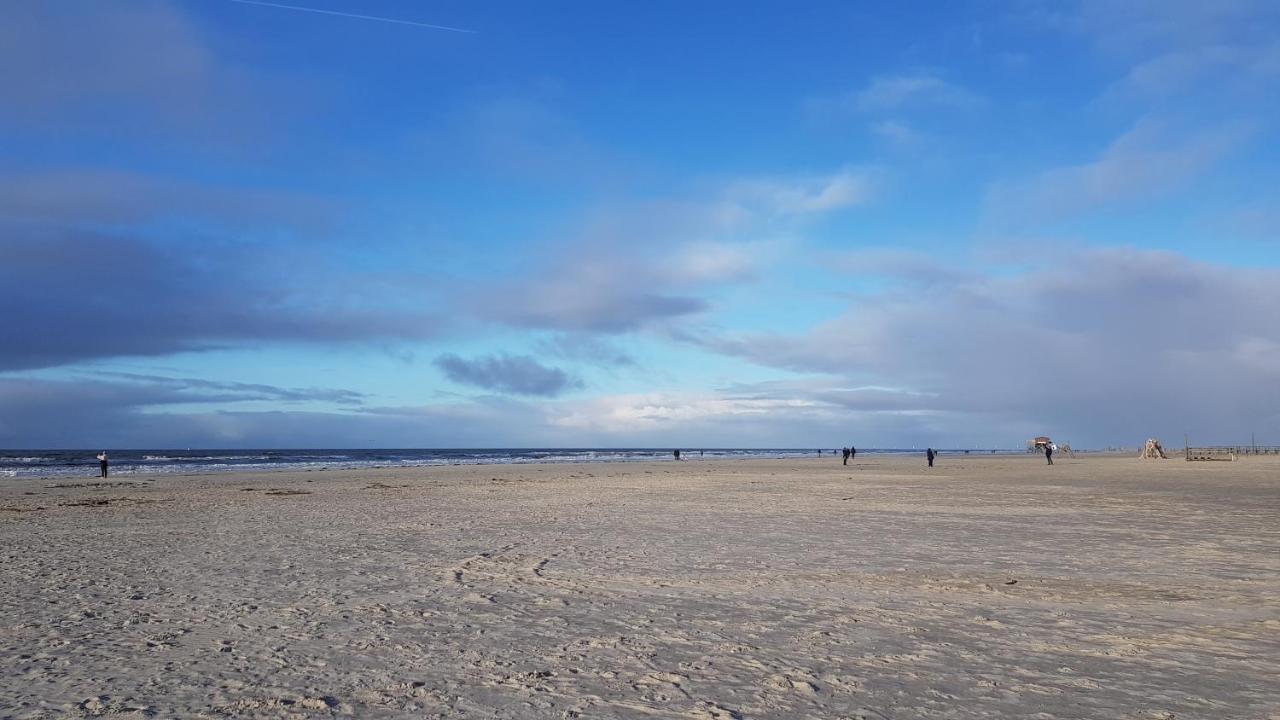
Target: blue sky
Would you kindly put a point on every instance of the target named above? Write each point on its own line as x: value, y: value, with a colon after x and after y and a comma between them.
x: 229, y: 224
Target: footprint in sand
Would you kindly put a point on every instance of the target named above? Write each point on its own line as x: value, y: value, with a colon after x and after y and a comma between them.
x: 794, y: 683
x: 665, y: 678
x: 713, y: 711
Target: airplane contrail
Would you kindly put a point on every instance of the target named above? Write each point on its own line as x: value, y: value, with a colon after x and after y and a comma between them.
x: 352, y: 15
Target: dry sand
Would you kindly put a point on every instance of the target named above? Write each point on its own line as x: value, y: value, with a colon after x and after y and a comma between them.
x: 1101, y: 587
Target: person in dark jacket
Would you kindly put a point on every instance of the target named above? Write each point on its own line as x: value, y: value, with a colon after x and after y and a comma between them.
x: 1048, y: 452
x: 102, y: 462
x: 930, y: 454
x: 846, y: 456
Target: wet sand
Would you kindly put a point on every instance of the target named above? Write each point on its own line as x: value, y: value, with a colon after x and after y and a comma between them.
x: 987, y: 587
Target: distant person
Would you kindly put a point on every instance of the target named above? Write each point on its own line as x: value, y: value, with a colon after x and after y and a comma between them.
x: 102, y: 462
x: 676, y: 453
x: 930, y: 454
x: 1048, y: 453
x: 700, y: 452
x: 853, y: 452
x: 846, y: 456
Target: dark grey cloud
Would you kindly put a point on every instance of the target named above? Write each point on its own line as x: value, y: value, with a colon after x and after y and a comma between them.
x: 79, y: 196
x: 519, y: 374
x: 101, y: 262
x: 199, y: 390
x: 1102, y: 346
x: 133, y: 410
x: 114, y: 412
x: 131, y: 390
x: 73, y: 295
x: 144, y: 72
x: 70, y: 53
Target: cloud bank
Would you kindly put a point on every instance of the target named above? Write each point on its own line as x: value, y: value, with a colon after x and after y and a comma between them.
x: 1096, y: 347
x: 1095, y: 344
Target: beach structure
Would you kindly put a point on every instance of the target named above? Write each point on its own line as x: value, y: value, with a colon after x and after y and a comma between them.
x: 1219, y: 452
x: 1153, y: 450
x: 1211, y: 453
x: 1038, y: 444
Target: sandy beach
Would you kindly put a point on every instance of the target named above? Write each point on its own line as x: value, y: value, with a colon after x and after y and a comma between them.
x: 987, y: 587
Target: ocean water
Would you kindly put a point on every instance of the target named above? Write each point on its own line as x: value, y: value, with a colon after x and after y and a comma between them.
x: 82, y: 463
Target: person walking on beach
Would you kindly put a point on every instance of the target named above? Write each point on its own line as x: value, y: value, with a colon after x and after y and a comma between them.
x: 846, y: 456
x: 853, y: 452
x: 676, y: 453
x: 1048, y: 452
x: 102, y: 462
x: 930, y: 455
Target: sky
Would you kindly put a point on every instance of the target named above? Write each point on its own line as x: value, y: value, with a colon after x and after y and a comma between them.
x: 580, y: 224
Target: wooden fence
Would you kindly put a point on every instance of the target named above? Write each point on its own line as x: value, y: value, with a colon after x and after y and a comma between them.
x: 1210, y: 453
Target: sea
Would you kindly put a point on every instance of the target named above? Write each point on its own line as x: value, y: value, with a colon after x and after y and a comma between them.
x: 74, y: 463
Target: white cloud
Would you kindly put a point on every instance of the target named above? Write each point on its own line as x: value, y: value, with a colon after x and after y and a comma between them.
x: 1145, y: 162
x: 896, y: 133
x: 716, y: 262
x: 1175, y: 47
x: 1231, y: 73
x: 630, y: 413
x: 1143, y: 26
x: 892, y: 92
x: 1172, y: 71
x: 634, y: 266
x: 800, y: 196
